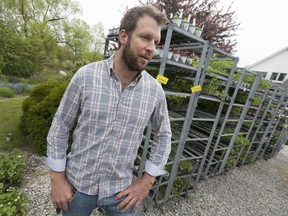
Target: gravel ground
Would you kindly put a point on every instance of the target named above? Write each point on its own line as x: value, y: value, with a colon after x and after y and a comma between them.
x: 258, y: 189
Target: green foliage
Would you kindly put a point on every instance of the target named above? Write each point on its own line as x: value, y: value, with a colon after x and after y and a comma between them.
x: 67, y: 65
x: 220, y: 67
x: 38, y: 113
x: 11, y: 168
x: 208, y: 105
x: 178, y: 186
x: 41, y: 35
x: 180, y: 183
x: 3, y: 78
x: 9, y: 121
x: 2, y: 64
x: 153, y: 71
x: 264, y: 84
x: 241, y: 98
x: 241, y: 143
x: 13, y: 202
x: 78, y: 65
x: 17, y: 88
x: 256, y: 101
x: 177, y: 102
x: 248, y: 79
x: 211, y: 87
x: 6, y: 92
x: 185, y: 167
x: 21, y: 56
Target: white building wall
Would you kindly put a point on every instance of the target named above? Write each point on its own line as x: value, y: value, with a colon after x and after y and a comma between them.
x: 277, y: 63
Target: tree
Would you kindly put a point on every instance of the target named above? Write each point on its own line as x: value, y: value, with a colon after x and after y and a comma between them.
x: 20, y: 55
x: 33, y: 33
x: 76, y: 35
x: 220, y: 24
x: 98, y: 39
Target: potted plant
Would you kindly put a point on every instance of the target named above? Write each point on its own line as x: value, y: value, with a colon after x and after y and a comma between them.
x: 189, y: 59
x: 198, y: 30
x: 176, y: 55
x: 177, y: 19
x: 170, y: 53
x: 158, y: 52
x: 183, y: 57
x: 185, y: 23
x: 192, y: 27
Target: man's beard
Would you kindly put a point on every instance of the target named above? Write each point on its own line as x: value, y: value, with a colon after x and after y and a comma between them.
x: 130, y: 59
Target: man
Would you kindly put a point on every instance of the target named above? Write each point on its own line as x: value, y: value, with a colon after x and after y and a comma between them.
x: 113, y: 101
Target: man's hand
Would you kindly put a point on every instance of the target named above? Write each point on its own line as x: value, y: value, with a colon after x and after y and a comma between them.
x: 61, y: 190
x: 136, y: 192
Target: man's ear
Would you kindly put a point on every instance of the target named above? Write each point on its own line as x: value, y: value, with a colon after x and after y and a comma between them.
x: 123, y: 37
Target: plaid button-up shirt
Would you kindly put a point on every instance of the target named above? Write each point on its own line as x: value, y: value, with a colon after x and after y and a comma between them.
x: 109, y: 129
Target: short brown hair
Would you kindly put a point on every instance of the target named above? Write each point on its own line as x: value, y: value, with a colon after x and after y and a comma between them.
x: 131, y: 17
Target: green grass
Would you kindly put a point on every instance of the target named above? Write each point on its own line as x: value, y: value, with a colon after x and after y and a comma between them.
x: 10, y: 114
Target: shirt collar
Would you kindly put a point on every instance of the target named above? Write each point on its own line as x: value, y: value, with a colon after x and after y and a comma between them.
x: 112, y: 71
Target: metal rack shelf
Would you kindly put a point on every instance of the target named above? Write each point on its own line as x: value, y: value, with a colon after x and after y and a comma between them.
x: 208, y: 124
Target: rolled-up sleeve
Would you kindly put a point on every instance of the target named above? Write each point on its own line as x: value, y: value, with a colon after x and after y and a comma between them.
x: 63, y: 121
x: 161, y: 144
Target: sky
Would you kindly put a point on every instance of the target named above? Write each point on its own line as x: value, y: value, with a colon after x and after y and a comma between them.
x: 262, y: 32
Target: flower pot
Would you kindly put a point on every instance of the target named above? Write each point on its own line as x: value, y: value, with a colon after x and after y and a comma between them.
x: 175, y: 57
x: 198, y: 32
x: 189, y: 60
x: 185, y: 25
x: 177, y: 21
x: 183, y: 59
x: 191, y: 28
x: 158, y: 53
x: 169, y: 55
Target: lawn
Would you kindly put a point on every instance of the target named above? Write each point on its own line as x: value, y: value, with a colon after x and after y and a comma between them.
x: 10, y: 114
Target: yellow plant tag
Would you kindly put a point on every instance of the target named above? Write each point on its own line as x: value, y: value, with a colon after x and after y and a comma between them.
x: 162, y: 79
x: 196, y: 88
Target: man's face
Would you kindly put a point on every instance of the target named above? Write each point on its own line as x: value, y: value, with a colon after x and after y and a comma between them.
x: 140, y: 45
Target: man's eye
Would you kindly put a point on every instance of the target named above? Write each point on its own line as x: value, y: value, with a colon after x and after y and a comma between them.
x: 146, y: 37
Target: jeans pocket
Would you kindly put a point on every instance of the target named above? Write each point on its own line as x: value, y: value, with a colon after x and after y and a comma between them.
x: 75, y: 191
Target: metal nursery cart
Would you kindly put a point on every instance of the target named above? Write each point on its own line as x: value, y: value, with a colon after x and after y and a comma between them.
x: 219, y: 115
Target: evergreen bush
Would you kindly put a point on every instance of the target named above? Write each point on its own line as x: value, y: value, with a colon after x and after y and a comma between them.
x: 38, y: 112
x: 6, y: 92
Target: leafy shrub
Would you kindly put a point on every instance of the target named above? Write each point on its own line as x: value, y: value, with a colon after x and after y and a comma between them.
x: 78, y: 65
x: 38, y: 113
x: 13, y: 202
x: 7, y: 92
x: 11, y: 168
x: 18, y: 88
x: 37, y: 79
x: 67, y: 65
x: 3, y: 78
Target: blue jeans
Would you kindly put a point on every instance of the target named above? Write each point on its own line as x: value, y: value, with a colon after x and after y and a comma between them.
x: 83, y: 205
